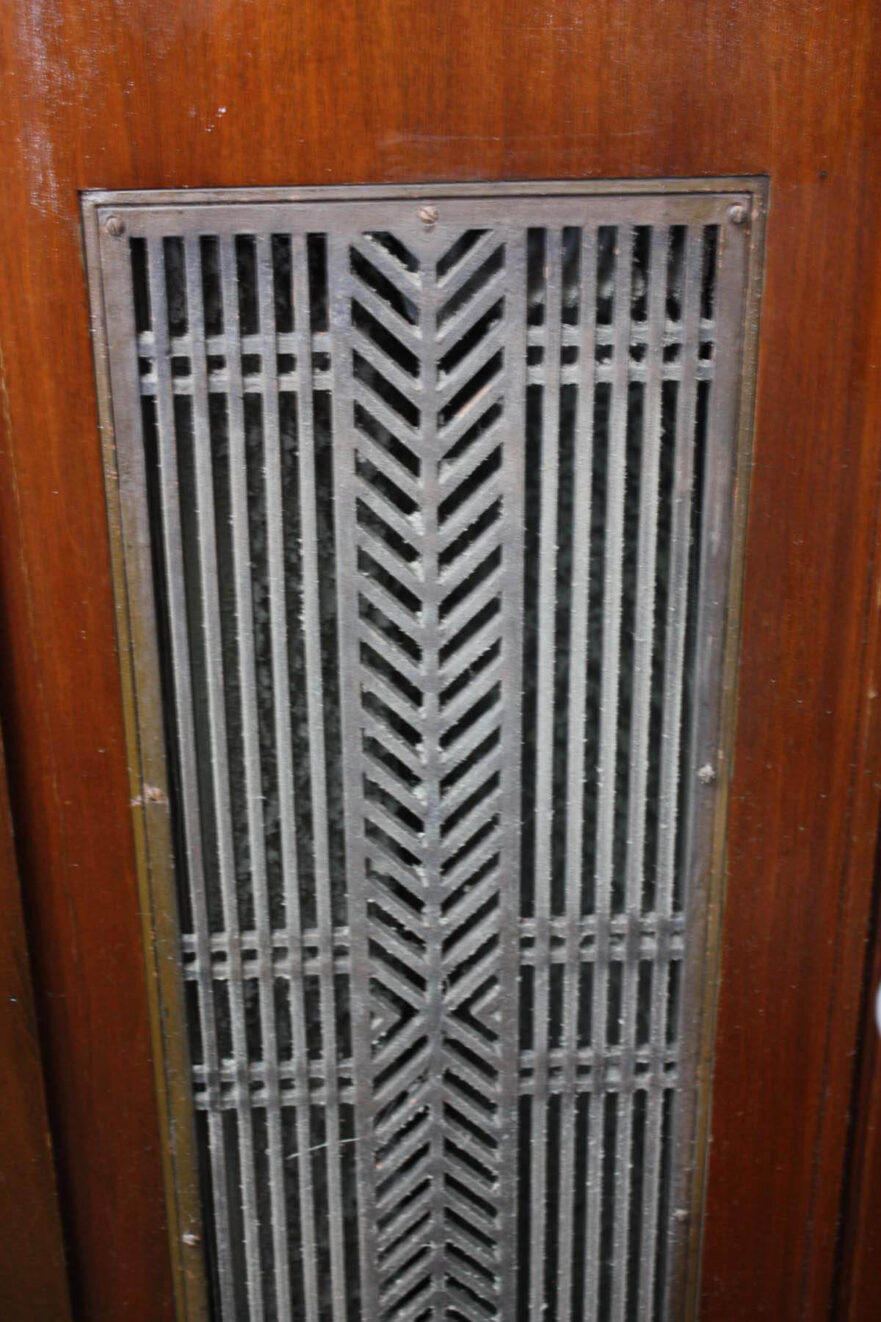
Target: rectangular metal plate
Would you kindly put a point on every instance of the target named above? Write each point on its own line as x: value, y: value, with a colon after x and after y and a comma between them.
x: 423, y: 513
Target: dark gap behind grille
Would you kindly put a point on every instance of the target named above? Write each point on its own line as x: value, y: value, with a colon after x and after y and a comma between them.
x: 536, y: 242
x: 676, y: 272
x: 688, y: 696
x: 570, y: 272
x: 209, y: 251
x: 595, y: 660
x: 175, y: 286
x: 708, y: 271
x: 246, y: 264
x: 140, y: 286
x: 524, y: 1174
x: 317, y: 1156
x: 282, y: 287
x: 229, y: 1121
x: 299, y: 717
x: 261, y: 642
x: 316, y: 256
x: 191, y: 554
x: 635, y: 1217
x: 626, y: 678
x: 292, y: 1194
x: 607, y: 1264
x: 640, y: 273
x: 231, y: 622
x: 327, y: 590
x: 606, y: 257
x: 531, y: 547
x: 264, y: 1212
x: 661, y: 1256
x: 669, y: 394
x: 562, y: 658
x: 553, y: 1192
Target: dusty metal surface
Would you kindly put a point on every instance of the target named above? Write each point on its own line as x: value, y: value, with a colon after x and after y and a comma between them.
x: 426, y: 522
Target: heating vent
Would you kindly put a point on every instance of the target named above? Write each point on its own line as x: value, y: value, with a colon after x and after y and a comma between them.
x: 425, y: 510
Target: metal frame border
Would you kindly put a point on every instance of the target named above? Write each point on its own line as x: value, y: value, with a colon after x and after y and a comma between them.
x: 148, y: 788
x: 144, y: 731
x: 708, y: 848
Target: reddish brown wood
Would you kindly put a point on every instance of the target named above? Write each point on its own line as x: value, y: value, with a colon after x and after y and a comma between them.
x: 859, y: 867
x: 130, y: 95
x: 33, y: 1274
x: 859, y: 1289
x: 859, y: 1276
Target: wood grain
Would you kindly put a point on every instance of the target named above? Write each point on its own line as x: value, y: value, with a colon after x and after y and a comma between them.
x: 146, y: 94
x: 33, y: 1274
x: 859, y: 1261
x: 858, y: 1291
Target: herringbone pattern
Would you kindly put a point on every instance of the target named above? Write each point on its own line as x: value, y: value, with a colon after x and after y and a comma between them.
x: 431, y: 544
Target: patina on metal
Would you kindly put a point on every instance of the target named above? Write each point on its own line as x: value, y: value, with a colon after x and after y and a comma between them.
x: 425, y: 506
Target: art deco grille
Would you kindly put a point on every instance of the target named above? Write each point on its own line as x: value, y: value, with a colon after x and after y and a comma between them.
x: 425, y: 523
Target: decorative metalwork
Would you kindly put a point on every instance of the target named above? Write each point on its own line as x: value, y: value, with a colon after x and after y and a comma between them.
x: 425, y: 515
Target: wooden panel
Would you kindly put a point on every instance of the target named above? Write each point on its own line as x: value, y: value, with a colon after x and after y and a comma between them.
x: 861, y: 1222
x: 860, y: 1226
x: 33, y: 1275
x: 151, y: 94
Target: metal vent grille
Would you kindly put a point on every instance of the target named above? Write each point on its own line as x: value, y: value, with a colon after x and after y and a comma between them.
x: 426, y: 515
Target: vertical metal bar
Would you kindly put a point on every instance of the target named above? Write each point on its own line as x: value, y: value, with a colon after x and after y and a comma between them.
x: 674, y: 663
x: 578, y: 655
x: 278, y: 625
x: 677, y: 606
x: 639, y: 737
x: 315, y: 720
x: 544, y: 771
x: 645, y: 611
x: 430, y: 726
x: 510, y: 807
x: 339, y: 295
x: 609, y: 684
x: 646, y: 578
x: 630, y: 961
x: 220, y: 764
x: 189, y: 785
x: 253, y: 781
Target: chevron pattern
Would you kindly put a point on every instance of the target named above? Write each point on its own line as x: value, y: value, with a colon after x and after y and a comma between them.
x: 430, y: 680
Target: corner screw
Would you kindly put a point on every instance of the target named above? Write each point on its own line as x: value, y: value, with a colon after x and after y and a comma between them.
x: 738, y: 214
x: 114, y: 226
x: 428, y: 215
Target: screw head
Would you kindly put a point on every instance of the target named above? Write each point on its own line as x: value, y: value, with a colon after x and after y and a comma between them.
x: 706, y: 774
x: 738, y: 214
x: 428, y: 215
x: 114, y: 226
